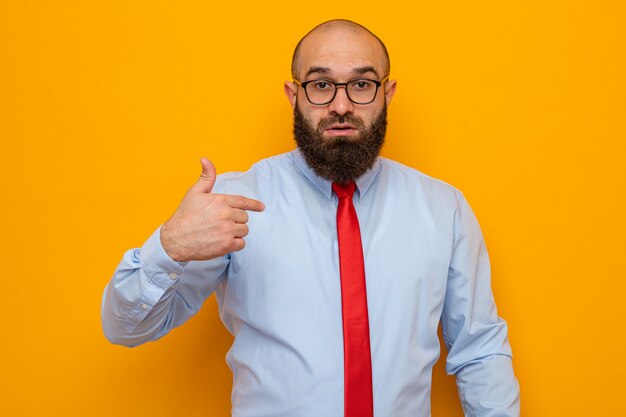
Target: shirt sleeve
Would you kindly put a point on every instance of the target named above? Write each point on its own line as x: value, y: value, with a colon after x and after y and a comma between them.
x: 479, y: 353
x: 150, y: 293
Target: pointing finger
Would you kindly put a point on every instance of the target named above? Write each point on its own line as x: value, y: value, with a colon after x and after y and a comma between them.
x: 244, y: 203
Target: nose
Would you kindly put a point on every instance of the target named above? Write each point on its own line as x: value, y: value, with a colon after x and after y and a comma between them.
x: 341, y: 104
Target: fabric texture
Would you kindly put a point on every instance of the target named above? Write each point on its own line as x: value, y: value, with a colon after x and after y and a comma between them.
x: 425, y: 264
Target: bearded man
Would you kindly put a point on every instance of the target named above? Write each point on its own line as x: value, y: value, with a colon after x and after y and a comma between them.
x: 349, y: 263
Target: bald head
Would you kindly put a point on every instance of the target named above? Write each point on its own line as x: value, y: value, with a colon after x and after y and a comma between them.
x: 332, y: 27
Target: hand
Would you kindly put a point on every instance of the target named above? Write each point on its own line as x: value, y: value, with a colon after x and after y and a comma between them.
x: 206, y: 225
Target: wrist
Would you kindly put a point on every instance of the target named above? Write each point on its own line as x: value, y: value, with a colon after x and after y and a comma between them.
x: 169, y: 244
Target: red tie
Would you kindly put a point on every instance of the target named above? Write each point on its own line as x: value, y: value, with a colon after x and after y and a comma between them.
x: 357, y: 360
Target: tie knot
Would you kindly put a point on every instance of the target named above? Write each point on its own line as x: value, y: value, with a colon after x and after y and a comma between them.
x: 344, y: 190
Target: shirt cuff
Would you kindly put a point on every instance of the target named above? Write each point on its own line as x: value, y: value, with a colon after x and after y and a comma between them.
x: 158, y: 274
x: 156, y: 263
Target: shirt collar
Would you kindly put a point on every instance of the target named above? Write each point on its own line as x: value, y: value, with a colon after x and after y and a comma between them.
x: 363, y: 183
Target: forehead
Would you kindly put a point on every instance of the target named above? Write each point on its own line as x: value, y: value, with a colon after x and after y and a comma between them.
x: 343, y: 52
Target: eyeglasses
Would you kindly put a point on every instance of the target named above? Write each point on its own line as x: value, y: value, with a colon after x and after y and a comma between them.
x: 360, y: 91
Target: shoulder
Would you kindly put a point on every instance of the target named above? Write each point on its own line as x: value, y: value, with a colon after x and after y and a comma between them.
x: 260, y: 173
x: 414, y: 182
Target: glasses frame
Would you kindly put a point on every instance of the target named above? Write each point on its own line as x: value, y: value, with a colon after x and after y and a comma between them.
x: 344, y: 85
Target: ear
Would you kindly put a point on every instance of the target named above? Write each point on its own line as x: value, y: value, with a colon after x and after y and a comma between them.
x: 291, y: 91
x: 390, y: 90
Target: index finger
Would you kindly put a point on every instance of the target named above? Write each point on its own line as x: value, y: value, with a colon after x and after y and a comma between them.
x: 244, y: 203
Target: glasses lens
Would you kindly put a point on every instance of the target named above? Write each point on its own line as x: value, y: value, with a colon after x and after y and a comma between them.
x: 362, y: 91
x: 320, y: 92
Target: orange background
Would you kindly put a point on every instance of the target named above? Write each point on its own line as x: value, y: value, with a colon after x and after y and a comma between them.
x: 106, y: 107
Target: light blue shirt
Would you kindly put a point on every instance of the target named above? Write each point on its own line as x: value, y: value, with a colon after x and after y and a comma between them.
x: 425, y: 262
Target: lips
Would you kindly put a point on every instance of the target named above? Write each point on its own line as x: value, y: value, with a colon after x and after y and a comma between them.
x: 341, y: 129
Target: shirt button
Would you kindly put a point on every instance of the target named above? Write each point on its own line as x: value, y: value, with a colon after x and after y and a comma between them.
x: 172, y: 275
x: 144, y: 306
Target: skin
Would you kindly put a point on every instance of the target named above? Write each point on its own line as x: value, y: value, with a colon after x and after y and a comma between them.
x: 207, y: 225
x: 341, y: 54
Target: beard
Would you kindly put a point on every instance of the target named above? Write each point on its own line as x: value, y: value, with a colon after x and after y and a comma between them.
x: 340, y: 159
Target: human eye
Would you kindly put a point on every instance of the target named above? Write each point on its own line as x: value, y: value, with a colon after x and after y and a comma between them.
x: 321, y: 85
x: 362, y: 84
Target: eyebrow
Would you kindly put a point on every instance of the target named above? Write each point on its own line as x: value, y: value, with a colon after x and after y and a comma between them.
x: 326, y: 70
x: 317, y: 70
x: 364, y: 70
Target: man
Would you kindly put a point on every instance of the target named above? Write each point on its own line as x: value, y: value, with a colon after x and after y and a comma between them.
x: 332, y: 267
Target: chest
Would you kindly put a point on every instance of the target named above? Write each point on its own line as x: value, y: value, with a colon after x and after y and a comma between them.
x: 291, y: 259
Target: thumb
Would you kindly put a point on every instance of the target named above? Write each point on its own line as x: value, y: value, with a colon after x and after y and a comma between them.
x: 207, y: 177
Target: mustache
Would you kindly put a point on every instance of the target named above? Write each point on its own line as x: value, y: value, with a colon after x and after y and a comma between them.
x: 346, y: 118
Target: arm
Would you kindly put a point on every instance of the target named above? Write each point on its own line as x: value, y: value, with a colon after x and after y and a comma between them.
x: 159, y: 286
x: 479, y: 352
x: 150, y: 294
